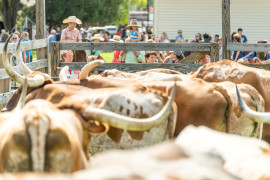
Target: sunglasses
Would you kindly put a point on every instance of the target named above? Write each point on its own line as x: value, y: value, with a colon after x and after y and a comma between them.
x: 179, y: 32
x: 14, y: 38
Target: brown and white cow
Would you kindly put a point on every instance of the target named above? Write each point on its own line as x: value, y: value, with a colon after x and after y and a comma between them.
x: 39, y: 137
x: 192, y: 96
x: 227, y: 70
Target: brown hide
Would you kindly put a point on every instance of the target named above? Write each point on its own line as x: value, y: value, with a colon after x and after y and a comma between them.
x: 227, y: 70
x: 119, y: 100
x: 21, y: 148
x: 198, y: 102
x: 207, y: 100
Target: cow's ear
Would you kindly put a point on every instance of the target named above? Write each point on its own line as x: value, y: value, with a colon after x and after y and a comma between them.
x: 95, y: 127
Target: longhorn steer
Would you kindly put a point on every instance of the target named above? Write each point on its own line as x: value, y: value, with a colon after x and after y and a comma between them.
x: 227, y: 70
x: 40, y: 137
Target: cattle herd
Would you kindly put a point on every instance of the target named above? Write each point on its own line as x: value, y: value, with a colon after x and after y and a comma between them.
x: 148, y: 120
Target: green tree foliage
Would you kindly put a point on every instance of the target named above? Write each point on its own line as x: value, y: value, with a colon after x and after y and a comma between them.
x: 95, y: 12
x: 9, y: 9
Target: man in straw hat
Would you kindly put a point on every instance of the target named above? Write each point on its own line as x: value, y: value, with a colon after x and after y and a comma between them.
x: 71, y: 34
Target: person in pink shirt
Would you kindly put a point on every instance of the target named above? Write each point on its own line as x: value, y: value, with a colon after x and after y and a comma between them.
x: 71, y: 33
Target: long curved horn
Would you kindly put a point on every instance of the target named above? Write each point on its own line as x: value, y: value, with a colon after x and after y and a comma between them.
x: 128, y: 123
x: 63, y: 74
x: 88, y: 67
x: 23, y: 67
x: 36, y: 81
x: 262, y: 117
x: 22, y: 99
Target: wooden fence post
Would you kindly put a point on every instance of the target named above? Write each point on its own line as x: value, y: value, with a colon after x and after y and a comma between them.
x: 40, y: 29
x: 214, y: 52
x: 55, y: 59
x: 226, y: 28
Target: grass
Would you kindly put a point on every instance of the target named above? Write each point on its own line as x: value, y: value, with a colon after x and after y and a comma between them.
x: 108, y: 56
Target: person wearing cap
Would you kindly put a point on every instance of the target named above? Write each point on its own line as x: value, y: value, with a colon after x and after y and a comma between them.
x: 116, y: 39
x: 71, y: 33
x: 84, y: 39
x: 96, y: 38
x: 52, y: 38
x: 174, y: 57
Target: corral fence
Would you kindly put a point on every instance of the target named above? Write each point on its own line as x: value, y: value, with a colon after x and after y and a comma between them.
x: 51, y: 67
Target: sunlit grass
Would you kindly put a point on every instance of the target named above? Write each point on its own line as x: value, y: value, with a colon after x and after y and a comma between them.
x: 108, y: 56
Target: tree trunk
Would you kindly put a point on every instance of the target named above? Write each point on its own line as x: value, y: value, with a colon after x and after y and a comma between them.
x: 9, y: 10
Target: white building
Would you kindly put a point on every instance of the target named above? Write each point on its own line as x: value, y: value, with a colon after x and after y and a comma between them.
x: 193, y: 16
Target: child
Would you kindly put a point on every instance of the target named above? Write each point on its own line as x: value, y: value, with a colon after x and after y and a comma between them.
x: 134, y: 34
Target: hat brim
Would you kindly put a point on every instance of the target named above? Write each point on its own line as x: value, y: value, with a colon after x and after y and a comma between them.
x: 101, y: 39
x: 113, y: 40
x: 130, y: 26
x: 77, y: 21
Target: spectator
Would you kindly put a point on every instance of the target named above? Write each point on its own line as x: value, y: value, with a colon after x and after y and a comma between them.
x: 97, y: 38
x: 206, y: 38
x: 4, y: 37
x: 134, y: 33
x: 71, y: 34
x: 24, y: 39
x: 220, y: 49
x: 174, y: 57
x: 84, y: 35
x: 118, y: 33
x: 51, y: 38
x: 58, y: 34
x: 133, y: 56
x: 198, y: 38
x: 67, y: 56
x: 18, y: 33
x: 106, y: 36
x: 151, y: 57
x: 179, y: 38
x: 124, y: 33
x: 237, y: 54
x: 256, y: 57
x: 159, y: 54
x: 232, y: 39
x: 153, y: 37
x: 15, y: 38
x: 164, y: 38
x: 116, y: 54
x: 216, y: 39
x: 243, y: 37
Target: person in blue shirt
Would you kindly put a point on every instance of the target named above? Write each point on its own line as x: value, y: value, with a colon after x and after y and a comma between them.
x: 179, y: 38
x: 256, y: 57
x: 24, y: 39
x: 243, y: 37
x: 52, y: 38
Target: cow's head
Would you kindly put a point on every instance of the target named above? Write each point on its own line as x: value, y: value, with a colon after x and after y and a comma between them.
x: 40, y: 137
x: 259, y: 117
